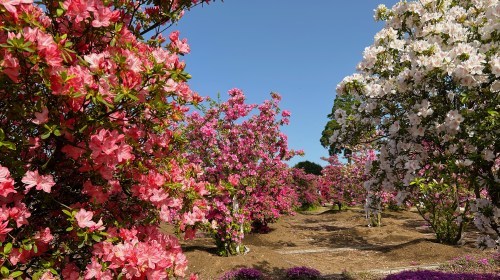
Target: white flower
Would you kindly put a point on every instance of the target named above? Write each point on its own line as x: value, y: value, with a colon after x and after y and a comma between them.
x: 394, y: 128
x: 417, y: 131
x: 414, y: 119
x: 424, y: 109
x: 495, y: 86
x: 495, y: 65
x: 412, y: 165
x: 488, y: 155
x: 453, y: 120
x: 334, y: 136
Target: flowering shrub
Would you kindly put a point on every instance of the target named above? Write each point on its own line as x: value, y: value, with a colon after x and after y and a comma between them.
x: 474, y: 264
x: 242, y: 156
x: 307, y: 188
x: 343, y: 183
x: 302, y: 273
x: 91, y: 161
x: 243, y: 274
x: 441, y: 204
x: 429, y: 80
x: 429, y: 274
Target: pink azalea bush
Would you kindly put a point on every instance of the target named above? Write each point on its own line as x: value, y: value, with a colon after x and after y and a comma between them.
x: 307, y: 188
x: 91, y: 159
x: 242, y: 155
x: 342, y: 183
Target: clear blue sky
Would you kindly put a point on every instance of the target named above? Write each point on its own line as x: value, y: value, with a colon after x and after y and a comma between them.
x: 300, y: 49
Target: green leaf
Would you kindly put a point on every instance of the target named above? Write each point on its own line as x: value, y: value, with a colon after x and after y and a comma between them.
x: 8, y: 145
x: 69, y: 229
x: 119, y: 97
x: 118, y: 27
x: 493, y: 113
x: 96, y: 238
x: 67, y: 212
x: 35, y: 249
x: 133, y: 97
x: 8, y: 248
x: 46, y: 135
x: 2, y: 134
x: 28, y: 247
x: 101, y: 100
x: 57, y: 132
x: 59, y: 12
x: 16, y: 274
x: 5, y: 271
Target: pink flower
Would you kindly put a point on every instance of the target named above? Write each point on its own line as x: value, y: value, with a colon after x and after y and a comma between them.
x: 42, y: 117
x: 72, y: 151
x: 6, y: 182
x: 70, y: 271
x: 48, y: 49
x: 48, y: 276
x: 44, y: 236
x: 20, y: 214
x: 177, y: 45
x: 94, y: 270
x: 10, y: 66
x: 84, y: 220
x: 234, y: 179
x: 9, y: 4
x: 41, y: 182
x: 4, y: 229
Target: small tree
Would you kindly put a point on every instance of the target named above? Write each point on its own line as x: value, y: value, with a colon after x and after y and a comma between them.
x: 307, y: 188
x: 242, y: 155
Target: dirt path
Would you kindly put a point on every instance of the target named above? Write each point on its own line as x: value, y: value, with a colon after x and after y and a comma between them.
x: 333, y: 242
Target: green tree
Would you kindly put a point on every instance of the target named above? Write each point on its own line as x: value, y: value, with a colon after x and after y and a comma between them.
x: 309, y: 167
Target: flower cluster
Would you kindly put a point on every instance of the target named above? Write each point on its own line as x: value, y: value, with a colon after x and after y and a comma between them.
x: 342, y: 183
x: 302, y: 273
x: 243, y: 156
x: 426, y: 95
x: 307, y: 188
x: 429, y: 274
x: 89, y: 123
x: 474, y: 264
x: 243, y: 274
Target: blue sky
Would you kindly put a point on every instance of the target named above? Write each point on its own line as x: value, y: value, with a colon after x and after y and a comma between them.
x: 300, y: 49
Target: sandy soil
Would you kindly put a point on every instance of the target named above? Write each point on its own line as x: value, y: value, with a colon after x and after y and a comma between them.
x: 333, y: 242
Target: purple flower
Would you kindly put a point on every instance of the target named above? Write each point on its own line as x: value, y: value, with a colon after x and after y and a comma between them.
x: 302, y: 273
x: 243, y: 274
x: 438, y: 275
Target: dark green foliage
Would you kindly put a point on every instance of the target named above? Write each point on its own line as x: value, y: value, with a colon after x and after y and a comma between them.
x: 309, y: 167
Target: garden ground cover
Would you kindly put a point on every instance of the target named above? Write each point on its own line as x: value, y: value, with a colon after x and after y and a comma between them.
x: 332, y: 242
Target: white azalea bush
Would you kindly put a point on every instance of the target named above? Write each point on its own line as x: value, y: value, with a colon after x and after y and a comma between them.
x: 427, y: 95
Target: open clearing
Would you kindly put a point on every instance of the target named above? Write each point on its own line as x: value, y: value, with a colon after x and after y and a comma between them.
x: 333, y: 241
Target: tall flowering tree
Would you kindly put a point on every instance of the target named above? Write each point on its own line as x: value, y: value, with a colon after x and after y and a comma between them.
x: 427, y: 90
x: 342, y: 183
x: 308, y: 188
x: 89, y: 157
x: 242, y: 154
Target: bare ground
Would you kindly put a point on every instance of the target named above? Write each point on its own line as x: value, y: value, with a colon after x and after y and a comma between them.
x: 333, y: 242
